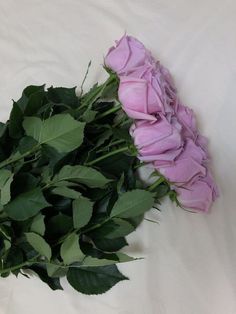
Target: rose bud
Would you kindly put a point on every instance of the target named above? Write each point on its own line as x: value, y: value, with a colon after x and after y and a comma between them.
x: 210, y: 181
x: 128, y: 54
x: 198, y: 196
x: 146, y: 92
x: 187, y: 119
x: 143, y: 95
x: 160, y: 140
x: 187, y: 167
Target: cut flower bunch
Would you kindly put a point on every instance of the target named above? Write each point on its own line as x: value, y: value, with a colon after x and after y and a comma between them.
x: 69, y: 186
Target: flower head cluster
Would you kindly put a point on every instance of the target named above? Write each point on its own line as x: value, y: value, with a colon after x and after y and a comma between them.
x: 164, y: 130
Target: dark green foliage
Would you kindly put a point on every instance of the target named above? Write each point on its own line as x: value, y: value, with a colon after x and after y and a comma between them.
x: 67, y: 199
x: 94, y: 280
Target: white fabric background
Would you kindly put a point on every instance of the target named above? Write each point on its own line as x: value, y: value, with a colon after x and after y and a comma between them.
x: 190, y: 265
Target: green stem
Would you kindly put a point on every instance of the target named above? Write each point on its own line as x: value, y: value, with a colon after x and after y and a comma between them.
x: 86, y: 74
x: 97, y: 225
x: 116, y: 143
x: 90, y: 98
x: 60, y: 240
x: 9, y: 269
x: 111, y: 145
x: 141, y: 164
x: 19, y: 266
x: 106, y: 113
x: 11, y: 161
x: 120, y: 150
x: 122, y: 122
x: 156, y: 183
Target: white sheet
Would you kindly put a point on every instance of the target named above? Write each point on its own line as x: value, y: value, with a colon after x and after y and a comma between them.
x: 190, y: 265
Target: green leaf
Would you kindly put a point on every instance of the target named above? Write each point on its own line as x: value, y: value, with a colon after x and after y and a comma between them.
x: 26, y: 144
x: 123, y: 134
x: 89, y: 115
x: 90, y: 261
x: 111, y: 88
x: 61, y: 131
x: 39, y: 244
x: 15, y: 121
x: 102, y: 138
x: 6, y: 178
x: 66, y: 192
x: 38, y: 225
x: 85, y: 175
x: 26, y: 205
x: 82, y: 212
x: 70, y: 250
x: 58, y: 226
x: 53, y: 283
x: 63, y: 95
x: 109, y: 245
x: 117, y: 164
x: 52, y: 155
x: 55, y: 271
x: 26, y: 95
x: 30, y: 182
x: 94, y: 280
x: 17, y: 112
x: 35, y: 102
x: 66, y: 184
x: 3, y: 128
x: 136, y: 220
x: 132, y: 203
x: 123, y: 228
x: 14, y: 257
x: 114, y: 228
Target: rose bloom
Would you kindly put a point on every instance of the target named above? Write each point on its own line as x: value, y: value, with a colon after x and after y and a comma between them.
x: 187, y: 119
x: 146, y: 92
x: 160, y: 140
x: 128, y: 54
x: 146, y: 87
x: 199, y: 195
x: 187, y: 167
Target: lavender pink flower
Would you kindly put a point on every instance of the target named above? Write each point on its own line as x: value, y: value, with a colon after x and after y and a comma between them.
x: 157, y: 141
x: 128, y: 54
x: 146, y: 92
x: 164, y: 130
x: 187, y: 166
x: 200, y: 194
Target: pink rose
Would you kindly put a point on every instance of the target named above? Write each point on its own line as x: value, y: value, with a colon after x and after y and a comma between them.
x: 145, y: 92
x: 192, y: 150
x: 146, y: 87
x: 128, y: 54
x: 167, y: 84
x: 182, y: 171
x: 160, y: 81
x: 211, y: 183
x: 187, y: 167
x: 136, y: 99
x: 164, y: 131
x: 160, y: 140
x: 198, y: 195
x: 187, y: 119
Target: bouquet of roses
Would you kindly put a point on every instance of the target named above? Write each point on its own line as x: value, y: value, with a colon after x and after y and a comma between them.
x: 69, y: 186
